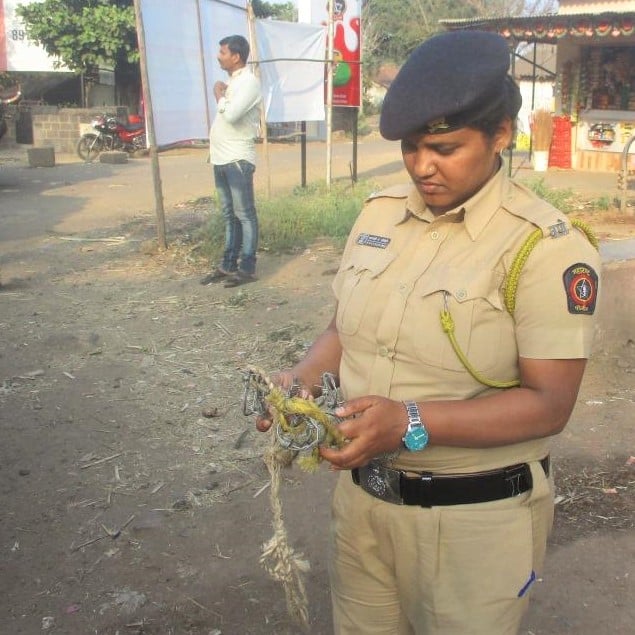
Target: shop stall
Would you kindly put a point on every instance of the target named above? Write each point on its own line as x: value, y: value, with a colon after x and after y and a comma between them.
x: 594, y: 112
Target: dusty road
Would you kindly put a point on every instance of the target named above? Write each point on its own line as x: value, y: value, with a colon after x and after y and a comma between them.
x: 133, y: 492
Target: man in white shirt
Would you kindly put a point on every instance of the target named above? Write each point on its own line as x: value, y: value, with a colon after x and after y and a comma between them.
x: 233, y: 156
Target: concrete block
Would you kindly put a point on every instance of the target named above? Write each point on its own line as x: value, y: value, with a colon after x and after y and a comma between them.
x: 41, y: 157
x: 113, y: 156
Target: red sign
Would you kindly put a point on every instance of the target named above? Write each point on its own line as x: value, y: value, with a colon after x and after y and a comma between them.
x: 346, y: 53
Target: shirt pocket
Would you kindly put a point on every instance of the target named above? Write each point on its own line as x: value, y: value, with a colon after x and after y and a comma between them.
x: 482, y: 328
x: 353, y: 286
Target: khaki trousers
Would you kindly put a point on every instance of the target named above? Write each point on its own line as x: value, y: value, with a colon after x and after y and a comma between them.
x: 451, y: 570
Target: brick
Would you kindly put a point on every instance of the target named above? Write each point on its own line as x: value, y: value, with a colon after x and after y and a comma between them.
x: 41, y: 157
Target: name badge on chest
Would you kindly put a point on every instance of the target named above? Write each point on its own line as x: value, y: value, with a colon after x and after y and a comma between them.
x: 370, y: 240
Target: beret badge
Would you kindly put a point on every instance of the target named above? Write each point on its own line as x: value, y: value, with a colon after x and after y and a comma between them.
x: 437, y: 125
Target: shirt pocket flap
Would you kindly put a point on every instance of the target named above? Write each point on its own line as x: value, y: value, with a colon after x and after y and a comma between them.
x: 353, y: 285
x: 462, y: 286
x: 374, y: 261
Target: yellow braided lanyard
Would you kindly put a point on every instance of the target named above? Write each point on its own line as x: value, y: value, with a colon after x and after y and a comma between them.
x: 511, y: 288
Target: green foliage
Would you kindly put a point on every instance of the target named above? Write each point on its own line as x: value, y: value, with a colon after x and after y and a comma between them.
x: 603, y: 203
x: 564, y: 200
x: 389, y: 36
x: 284, y: 11
x: 294, y: 221
x: 84, y: 34
x: 392, y: 29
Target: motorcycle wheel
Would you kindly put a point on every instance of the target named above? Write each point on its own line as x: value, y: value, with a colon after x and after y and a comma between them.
x: 89, y: 146
x: 138, y: 147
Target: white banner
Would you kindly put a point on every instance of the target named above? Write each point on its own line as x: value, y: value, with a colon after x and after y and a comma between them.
x: 182, y: 65
x: 17, y: 52
x: 293, y: 88
x: 179, y: 71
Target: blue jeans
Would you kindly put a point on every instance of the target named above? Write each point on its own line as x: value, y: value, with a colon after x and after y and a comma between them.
x: 235, y: 187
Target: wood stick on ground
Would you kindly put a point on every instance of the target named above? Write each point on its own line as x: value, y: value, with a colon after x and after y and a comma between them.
x: 100, y: 461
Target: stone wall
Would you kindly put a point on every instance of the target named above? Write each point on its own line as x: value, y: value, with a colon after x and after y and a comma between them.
x: 53, y: 126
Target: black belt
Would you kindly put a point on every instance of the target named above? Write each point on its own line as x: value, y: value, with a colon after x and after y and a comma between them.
x: 429, y: 490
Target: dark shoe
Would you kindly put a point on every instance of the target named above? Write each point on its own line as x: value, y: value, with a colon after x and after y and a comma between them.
x: 238, y: 278
x: 216, y: 276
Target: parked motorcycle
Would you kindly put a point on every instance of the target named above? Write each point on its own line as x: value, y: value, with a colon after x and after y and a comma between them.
x: 111, y: 134
x: 7, y: 96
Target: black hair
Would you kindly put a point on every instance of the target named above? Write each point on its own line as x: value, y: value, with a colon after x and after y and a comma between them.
x: 237, y: 44
x: 504, y: 105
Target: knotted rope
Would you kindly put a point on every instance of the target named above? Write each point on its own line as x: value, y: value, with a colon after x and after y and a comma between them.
x: 278, y: 558
x: 303, y: 425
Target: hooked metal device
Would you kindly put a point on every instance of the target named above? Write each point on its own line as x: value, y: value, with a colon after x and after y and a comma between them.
x: 303, y: 431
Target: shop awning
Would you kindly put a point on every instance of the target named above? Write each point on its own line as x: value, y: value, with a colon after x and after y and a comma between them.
x: 549, y: 29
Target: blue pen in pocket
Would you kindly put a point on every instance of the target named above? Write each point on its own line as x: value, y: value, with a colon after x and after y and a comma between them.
x: 525, y: 587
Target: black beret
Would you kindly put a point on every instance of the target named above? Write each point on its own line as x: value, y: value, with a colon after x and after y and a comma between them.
x: 445, y: 83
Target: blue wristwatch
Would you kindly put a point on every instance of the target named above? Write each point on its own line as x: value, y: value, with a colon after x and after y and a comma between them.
x: 416, y: 437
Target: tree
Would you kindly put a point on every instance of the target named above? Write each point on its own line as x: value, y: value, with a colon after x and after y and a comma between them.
x: 87, y: 35
x: 285, y: 11
x: 390, y: 37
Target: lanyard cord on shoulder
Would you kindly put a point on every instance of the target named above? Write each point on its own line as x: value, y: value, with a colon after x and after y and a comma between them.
x: 511, y: 288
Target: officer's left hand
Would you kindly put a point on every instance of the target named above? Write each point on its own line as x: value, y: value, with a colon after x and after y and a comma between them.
x: 372, y: 425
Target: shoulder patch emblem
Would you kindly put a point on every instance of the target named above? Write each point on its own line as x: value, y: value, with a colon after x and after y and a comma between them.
x: 370, y: 240
x: 581, y: 286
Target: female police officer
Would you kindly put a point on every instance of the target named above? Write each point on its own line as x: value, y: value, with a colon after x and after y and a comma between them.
x: 463, y: 324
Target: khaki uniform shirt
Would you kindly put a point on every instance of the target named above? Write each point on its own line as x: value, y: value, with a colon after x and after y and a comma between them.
x: 402, y: 265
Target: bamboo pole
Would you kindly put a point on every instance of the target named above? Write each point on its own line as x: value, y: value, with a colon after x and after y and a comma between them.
x: 201, y: 46
x: 154, y: 155
x: 253, y: 44
x: 329, y: 93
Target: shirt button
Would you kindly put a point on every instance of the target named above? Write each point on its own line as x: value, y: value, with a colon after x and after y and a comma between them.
x: 461, y: 294
x: 383, y: 351
x: 434, y: 235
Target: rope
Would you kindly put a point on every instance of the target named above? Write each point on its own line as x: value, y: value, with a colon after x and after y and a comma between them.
x: 295, y: 417
x: 278, y: 558
x: 447, y: 323
x: 509, y: 297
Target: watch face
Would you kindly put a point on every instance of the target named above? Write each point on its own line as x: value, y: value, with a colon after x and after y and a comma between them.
x: 416, y: 439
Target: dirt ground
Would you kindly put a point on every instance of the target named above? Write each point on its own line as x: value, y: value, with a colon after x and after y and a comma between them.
x: 133, y: 493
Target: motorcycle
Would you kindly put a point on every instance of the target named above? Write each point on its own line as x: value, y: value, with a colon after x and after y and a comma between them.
x: 7, y: 96
x: 111, y: 134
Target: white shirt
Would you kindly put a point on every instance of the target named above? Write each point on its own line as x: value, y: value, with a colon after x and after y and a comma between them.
x: 235, y: 128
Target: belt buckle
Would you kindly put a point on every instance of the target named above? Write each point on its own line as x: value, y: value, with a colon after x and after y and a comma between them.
x: 518, y: 477
x: 381, y: 482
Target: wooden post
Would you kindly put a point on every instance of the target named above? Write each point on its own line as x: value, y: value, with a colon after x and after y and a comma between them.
x: 329, y: 93
x: 263, y: 120
x: 303, y: 153
x: 355, y: 118
x: 154, y: 155
x: 203, y: 65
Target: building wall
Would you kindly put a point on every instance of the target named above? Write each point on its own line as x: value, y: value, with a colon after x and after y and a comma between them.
x: 56, y: 127
x: 569, y: 7
x: 542, y: 100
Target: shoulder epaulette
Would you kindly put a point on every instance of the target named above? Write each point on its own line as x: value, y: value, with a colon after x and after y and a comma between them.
x: 395, y: 191
x: 522, y: 202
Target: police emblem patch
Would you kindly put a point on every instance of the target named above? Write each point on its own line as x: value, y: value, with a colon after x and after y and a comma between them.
x: 581, y: 286
x: 370, y: 240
